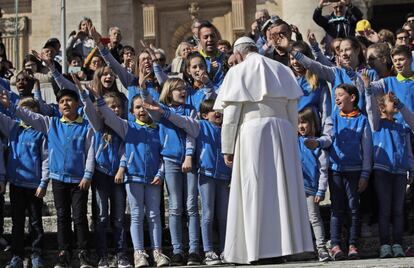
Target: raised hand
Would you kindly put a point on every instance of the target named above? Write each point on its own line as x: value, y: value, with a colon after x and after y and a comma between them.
x: 43, y: 57
x: 323, y: 3
x: 371, y: 35
x: 4, y: 98
x: 154, y: 107
x: 96, y: 36
x: 282, y: 42
x: 365, y: 78
x: 150, y: 50
x: 393, y: 98
x: 311, y: 38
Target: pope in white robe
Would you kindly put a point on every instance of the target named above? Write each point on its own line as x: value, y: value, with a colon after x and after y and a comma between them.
x: 267, y: 213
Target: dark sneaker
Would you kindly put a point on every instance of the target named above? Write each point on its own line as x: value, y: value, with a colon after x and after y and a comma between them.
x: 353, y: 253
x: 385, y: 251
x: 15, y: 262
x: 177, y: 260
x: 211, y: 258
x: 63, y: 260
x: 397, y: 251
x: 103, y: 263
x: 37, y: 261
x: 84, y: 261
x: 123, y: 262
x: 323, y: 255
x: 193, y: 259
x: 336, y: 253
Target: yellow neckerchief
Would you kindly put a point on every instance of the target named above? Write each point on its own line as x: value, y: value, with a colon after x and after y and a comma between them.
x: 139, y: 122
x: 78, y: 120
x: 401, y: 78
x: 354, y: 113
x: 23, y: 125
x: 202, y: 53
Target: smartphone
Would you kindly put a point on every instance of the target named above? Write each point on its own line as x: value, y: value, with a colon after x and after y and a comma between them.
x: 105, y: 40
x: 74, y: 69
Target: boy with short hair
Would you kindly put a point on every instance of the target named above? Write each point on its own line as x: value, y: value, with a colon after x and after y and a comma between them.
x: 71, y: 165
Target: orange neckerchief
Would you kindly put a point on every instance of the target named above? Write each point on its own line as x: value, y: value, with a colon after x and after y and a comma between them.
x: 197, y: 84
x: 354, y: 113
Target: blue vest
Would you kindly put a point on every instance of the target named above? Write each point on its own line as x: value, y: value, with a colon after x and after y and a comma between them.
x: 390, y: 147
x: 172, y: 137
x: 195, y: 97
x: 107, y: 154
x: 310, y: 167
x: 209, y: 156
x: 403, y: 90
x: 67, y: 156
x: 346, y: 149
x: 24, y: 162
x: 142, y: 152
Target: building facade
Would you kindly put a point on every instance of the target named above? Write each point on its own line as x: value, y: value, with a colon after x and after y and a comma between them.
x: 162, y: 22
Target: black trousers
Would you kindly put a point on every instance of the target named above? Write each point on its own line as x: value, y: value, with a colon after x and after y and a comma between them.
x: 22, y: 199
x: 70, y: 201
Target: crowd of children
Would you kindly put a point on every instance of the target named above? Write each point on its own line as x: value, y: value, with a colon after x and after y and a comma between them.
x: 354, y: 132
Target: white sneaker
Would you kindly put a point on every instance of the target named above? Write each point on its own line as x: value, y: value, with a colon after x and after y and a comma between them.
x: 140, y: 259
x: 160, y: 259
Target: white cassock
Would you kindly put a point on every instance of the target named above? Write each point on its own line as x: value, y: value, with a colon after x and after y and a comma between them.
x: 267, y: 214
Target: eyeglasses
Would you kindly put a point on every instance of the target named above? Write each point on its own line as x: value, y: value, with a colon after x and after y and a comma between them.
x: 402, y: 37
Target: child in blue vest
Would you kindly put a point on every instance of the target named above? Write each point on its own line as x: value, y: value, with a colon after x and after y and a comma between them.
x: 27, y: 174
x: 392, y: 159
x: 401, y: 85
x: 142, y: 166
x: 107, y: 183
x: 315, y: 164
x: 350, y: 164
x: 199, y: 85
x: 71, y: 166
x: 315, y: 91
x: 213, y: 177
x: 352, y: 63
x: 180, y: 176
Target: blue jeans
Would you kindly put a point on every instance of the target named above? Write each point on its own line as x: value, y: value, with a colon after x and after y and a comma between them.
x: 391, y: 192
x: 144, y: 199
x: 214, y: 199
x: 344, y: 199
x: 181, y: 185
x: 104, y: 189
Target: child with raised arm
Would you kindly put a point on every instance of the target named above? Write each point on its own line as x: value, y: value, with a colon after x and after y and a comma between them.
x: 180, y: 176
x: 393, y: 158
x: 107, y: 182
x: 143, y: 174
x: 71, y: 165
x: 27, y: 173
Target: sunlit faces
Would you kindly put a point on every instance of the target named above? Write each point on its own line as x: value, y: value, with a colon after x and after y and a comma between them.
x: 107, y: 78
x: 49, y: 52
x: 146, y: 62
x: 402, y: 63
x: 75, y: 62
x: 278, y: 31
x: 373, y: 59
x: 304, y: 128
x: 338, y: 9
x: 68, y: 107
x: 178, y: 94
x: 115, y: 36
x: 139, y: 112
x: 389, y: 107
x: 344, y: 101
x: 336, y: 44
x: 348, y: 55
x: 96, y: 63
x: 30, y: 65
x: 84, y: 26
x: 22, y: 82
x: 297, y: 68
x: 197, y: 68
x: 402, y: 39
x: 115, y: 104
x: 185, y: 49
x: 208, y: 39
x: 213, y: 117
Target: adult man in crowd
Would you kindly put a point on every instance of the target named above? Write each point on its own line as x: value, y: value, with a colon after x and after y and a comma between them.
x: 114, y: 44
